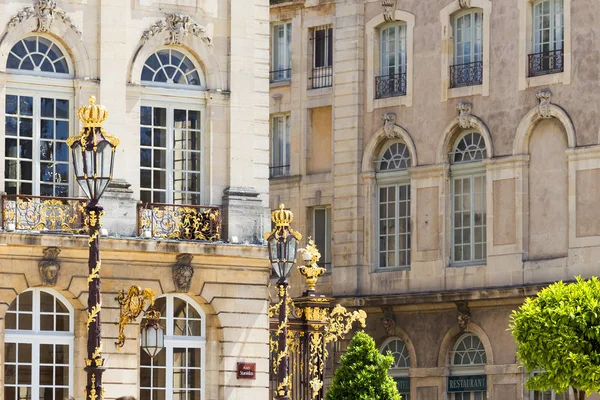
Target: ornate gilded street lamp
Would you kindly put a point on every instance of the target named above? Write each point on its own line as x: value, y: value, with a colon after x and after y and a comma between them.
x: 93, y: 152
x: 282, y: 243
x: 131, y: 305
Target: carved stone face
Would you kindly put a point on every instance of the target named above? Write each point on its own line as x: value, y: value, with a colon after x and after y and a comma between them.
x: 463, y: 321
x: 182, y: 277
x: 389, y: 325
x: 49, y: 272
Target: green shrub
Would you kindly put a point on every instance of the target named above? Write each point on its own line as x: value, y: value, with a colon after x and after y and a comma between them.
x: 363, y: 373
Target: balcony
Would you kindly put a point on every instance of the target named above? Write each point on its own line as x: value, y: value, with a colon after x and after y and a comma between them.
x: 546, y: 62
x: 390, y: 86
x: 469, y: 74
x: 182, y: 222
x: 321, y: 77
x: 280, y: 75
x: 43, y: 214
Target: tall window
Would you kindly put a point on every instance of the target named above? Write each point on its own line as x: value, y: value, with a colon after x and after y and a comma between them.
x: 392, y: 79
x: 469, y: 236
x: 177, y: 372
x: 399, y: 369
x: 322, y: 42
x: 468, y: 49
x: 394, y: 207
x: 467, y: 380
x: 548, y: 37
x: 280, y: 145
x: 38, y: 349
x: 281, y: 62
x: 36, y: 157
x: 322, y: 234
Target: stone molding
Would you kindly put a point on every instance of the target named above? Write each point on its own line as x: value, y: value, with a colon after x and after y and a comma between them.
x: 178, y: 26
x: 46, y: 12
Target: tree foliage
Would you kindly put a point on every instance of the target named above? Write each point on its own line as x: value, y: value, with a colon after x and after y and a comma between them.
x: 363, y: 373
x: 558, y: 334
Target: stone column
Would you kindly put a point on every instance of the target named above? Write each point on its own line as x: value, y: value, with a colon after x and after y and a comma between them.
x: 245, y: 202
x: 348, y: 108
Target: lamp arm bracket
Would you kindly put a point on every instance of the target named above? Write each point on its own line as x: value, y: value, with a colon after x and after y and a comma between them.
x: 131, y: 305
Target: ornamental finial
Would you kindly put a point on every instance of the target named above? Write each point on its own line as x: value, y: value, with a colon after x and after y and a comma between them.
x: 311, y: 270
x: 282, y: 217
x: 92, y: 115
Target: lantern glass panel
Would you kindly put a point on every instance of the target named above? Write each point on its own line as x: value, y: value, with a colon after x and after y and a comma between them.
x: 152, y: 340
x: 273, y: 254
x: 291, y: 244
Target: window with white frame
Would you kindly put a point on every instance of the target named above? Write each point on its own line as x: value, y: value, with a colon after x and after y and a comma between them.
x: 468, y: 49
x: 548, y: 37
x: 399, y: 369
x: 38, y: 347
x: 392, y: 49
x: 280, y: 145
x: 469, y: 236
x: 321, y: 224
x: 171, y: 67
x: 36, y: 156
x: 177, y: 372
x: 170, y: 154
x: 281, y: 52
x: 548, y: 395
x: 393, y: 199
x: 322, y: 46
x: 467, y: 380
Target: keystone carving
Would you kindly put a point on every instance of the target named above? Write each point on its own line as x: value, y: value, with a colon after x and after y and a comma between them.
x: 464, y: 3
x: 389, y: 7
x: 464, y: 115
x: 183, y: 273
x: 464, y: 315
x: 389, y: 121
x: 544, y: 97
x: 46, y: 12
x: 179, y: 26
x: 49, y: 266
x: 388, y: 320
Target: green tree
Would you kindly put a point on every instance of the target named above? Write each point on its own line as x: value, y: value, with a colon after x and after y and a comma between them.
x: 363, y: 373
x: 558, y: 335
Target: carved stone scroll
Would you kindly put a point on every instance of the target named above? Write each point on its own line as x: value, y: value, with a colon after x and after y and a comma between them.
x: 544, y: 97
x: 464, y: 3
x: 389, y: 7
x: 464, y: 115
x: 389, y: 121
x: 46, y: 12
x: 179, y: 26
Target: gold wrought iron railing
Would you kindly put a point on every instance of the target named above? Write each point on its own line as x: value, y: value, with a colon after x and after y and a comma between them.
x: 183, y: 222
x: 40, y: 213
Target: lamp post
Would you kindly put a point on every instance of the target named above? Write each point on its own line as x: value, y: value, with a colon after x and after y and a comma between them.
x: 282, y: 243
x: 93, y: 154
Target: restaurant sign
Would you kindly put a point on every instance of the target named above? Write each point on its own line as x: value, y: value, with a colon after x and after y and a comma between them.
x: 473, y: 383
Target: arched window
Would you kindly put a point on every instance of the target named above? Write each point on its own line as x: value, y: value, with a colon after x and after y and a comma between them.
x: 177, y: 372
x: 467, y: 380
x: 469, y: 236
x: 394, y: 207
x: 169, y: 66
x: 36, y: 157
x: 38, y: 349
x: 399, y: 370
x: 171, y: 134
x: 37, y: 54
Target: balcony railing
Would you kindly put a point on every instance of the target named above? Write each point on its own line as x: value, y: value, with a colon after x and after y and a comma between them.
x: 390, y: 86
x: 468, y: 74
x: 46, y: 214
x: 546, y: 62
x: 321, y: 77
x: 279, y: 170
x: 280, y: 75
x: 183, y: 222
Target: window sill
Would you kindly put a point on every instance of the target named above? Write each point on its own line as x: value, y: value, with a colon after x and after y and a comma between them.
x: 281, y: 83
x: 319, y: 91
x: 545, y: 80
x: 465, y: 91
x: 396, y: 101
x: 392, y: 269
x: 285, y: 178
x: 478, y: 263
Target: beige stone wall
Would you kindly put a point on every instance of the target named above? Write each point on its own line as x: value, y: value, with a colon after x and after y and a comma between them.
x: 228, y: 285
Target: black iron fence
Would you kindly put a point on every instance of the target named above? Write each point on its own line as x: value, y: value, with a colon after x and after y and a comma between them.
x: 390, y: 86
x: 41, y: 213
x: 280, y: 75
x: 546, y: 62
x: 468, y: 74
x: 185, y: 222
x: 279, y: 170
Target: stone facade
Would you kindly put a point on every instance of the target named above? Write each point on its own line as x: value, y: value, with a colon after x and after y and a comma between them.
x: 106, y: 45
x: 540, y: 151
